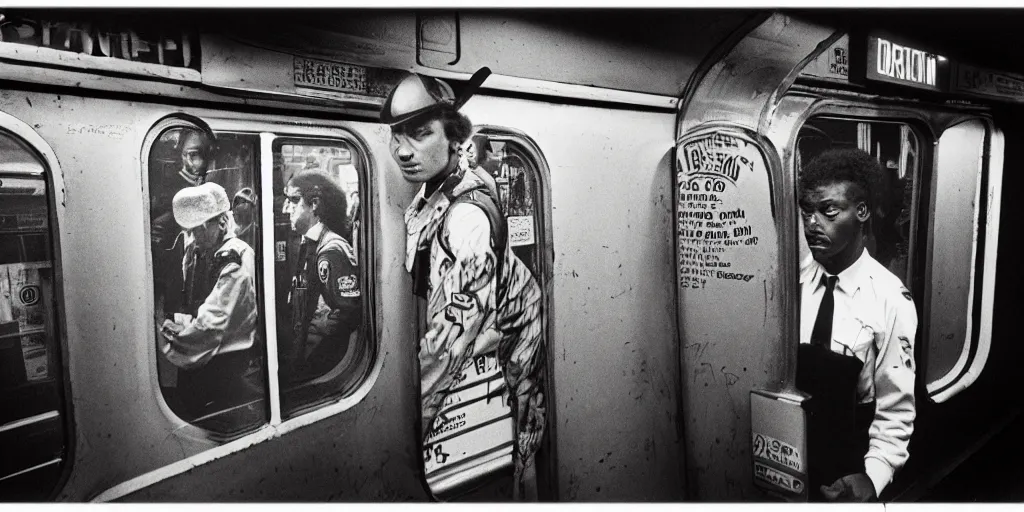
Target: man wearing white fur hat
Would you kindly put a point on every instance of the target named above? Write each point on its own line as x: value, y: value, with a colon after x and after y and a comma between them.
x: 212, y: 341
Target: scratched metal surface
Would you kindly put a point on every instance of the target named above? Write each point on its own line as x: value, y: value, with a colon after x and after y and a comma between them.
x: 735, y: 342
x: 120, y: 432
x: 615, y: 365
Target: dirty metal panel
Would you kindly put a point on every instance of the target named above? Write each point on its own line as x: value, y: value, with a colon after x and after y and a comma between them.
x: 729, y: 302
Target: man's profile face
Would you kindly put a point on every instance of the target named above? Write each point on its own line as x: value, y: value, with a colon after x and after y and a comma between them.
x: 421, y: 150
x: 832, y: 219
x: 300, y: 213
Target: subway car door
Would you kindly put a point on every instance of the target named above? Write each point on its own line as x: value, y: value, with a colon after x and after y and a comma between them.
x: 778, y: 97
x: 935, y: 227
x: 467, y: 455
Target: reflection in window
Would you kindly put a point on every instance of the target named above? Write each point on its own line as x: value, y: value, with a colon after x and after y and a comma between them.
x: 205, y: 245
x: 32, y: 436
x: 323, y: 347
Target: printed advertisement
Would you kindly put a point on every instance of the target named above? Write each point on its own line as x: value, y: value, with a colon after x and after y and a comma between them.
x: 23, y: 320
x: 22, y: 300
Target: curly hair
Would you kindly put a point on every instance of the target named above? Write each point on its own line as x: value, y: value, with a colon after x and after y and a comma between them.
x: 332, y: 207
x: 846, y: 165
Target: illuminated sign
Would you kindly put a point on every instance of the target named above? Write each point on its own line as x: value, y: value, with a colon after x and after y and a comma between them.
x: 901, y: 64
x: 155, y: 46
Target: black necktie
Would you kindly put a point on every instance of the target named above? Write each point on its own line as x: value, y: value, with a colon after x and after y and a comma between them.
x: 303, y: 261
x: 821, y: 335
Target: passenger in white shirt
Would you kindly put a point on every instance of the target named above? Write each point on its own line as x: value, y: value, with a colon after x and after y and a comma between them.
x: 873, y: 320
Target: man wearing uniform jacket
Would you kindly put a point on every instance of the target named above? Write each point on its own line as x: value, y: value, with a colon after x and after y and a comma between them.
x: 480, y: 297
x: 325, y: 297
x: 212, y: 343
x: 858, y: 320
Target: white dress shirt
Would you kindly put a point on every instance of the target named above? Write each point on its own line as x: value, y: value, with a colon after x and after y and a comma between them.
x: 875, y: 320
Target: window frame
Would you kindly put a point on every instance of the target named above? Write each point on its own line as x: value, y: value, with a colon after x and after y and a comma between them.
x: 981, y: 295
x: 930, y: 122
x: 53, y: 176
x: 267, y: 132
x: 268, y: 141
x: 924, y: 170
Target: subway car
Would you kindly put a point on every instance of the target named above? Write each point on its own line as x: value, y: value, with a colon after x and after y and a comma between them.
x: 647, y: 164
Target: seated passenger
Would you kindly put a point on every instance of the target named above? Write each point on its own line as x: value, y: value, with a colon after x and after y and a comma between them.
x: 324, y: 297
x: 857, y: 326
x: 213, y: 342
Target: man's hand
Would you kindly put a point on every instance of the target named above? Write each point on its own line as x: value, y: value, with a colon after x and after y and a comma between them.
x: 170, y: 330
x: 855, y: 488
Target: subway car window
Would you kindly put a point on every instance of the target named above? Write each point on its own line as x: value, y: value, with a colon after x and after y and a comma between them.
x: 324, y: 346
x: 205, y: 245
x: 471, y: 440
x: 896, y: 146
x: 952, y: 323
x: 32, y: 423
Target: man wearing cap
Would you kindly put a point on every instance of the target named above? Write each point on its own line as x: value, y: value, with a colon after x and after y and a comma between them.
x: 196, y: 157
x: 480, y: 297
x: 857, y: 327
x: 243, y: 208
x: 324, y: 297
x: 212, y: 341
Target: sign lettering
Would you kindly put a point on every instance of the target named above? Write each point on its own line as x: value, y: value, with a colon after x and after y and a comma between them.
x: 710, y: 221
x: 779, y: 452
x: 138, y: 44
x: 777, y: 479
x: 520, y: 230
x: 335, y: 76
x: 839, y: 61
x: 901, y: 64
x: 984, y: 82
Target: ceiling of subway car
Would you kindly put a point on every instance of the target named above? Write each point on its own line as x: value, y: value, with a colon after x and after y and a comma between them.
x: 533, y: 44
x: 543, y: 43
x: 547, y: 43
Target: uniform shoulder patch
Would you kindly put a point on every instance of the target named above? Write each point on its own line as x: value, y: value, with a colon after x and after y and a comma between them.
x: 225, y: 256
x: 347, y: 286
x: 324, y: 270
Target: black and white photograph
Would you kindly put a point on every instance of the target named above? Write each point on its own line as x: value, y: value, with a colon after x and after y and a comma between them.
x: 510, y: 254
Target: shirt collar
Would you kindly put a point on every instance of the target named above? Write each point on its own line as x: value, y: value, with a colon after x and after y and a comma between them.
x: 314, y: 232
x: 422, y: 210
x: 854, y: 276
x: 850, y: 279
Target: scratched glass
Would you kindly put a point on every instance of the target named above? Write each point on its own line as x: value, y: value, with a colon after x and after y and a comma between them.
x: 324, y: 351
x: 223, y: 394
x: 32, y: 435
